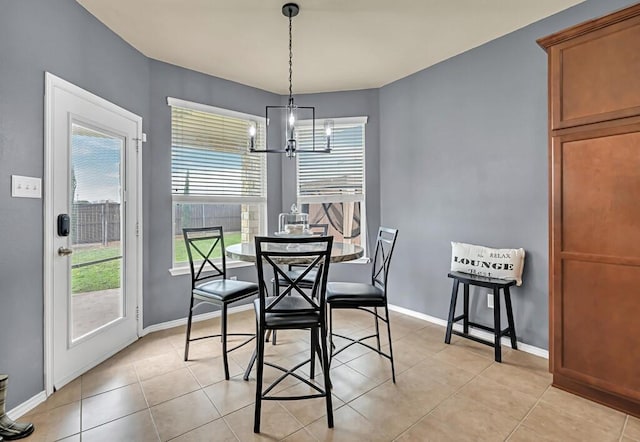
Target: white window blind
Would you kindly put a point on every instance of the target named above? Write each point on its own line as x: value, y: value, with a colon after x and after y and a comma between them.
x: 209, y: 156
x: 331, y: 186
x: 336, y: 176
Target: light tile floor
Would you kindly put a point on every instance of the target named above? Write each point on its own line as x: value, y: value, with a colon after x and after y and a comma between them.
x: 443, y: 392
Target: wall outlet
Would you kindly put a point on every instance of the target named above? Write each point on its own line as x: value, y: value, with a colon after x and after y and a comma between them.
x: 234, y: 278
x: 490, y: 300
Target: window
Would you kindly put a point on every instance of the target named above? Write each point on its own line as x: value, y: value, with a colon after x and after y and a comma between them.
x: 331, y: 187
x: 214, y: 179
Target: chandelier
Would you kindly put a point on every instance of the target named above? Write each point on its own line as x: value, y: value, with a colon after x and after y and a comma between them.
x: 291, y: 114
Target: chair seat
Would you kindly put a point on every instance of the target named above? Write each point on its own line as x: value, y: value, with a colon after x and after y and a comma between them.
x: 225, y: 290
x: 297, y: 318
x: 309, y: 278
x: 354, y: 294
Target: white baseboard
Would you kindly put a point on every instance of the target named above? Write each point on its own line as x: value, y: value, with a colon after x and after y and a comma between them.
x: 27, y: 406
x: 196, y: 318
x: 474, y: 332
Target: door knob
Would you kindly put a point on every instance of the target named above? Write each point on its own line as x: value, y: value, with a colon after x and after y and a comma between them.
x: 62, y: 251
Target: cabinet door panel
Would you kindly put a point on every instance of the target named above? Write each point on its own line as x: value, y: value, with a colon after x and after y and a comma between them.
x: 601, y: 195
x: 600, y: 339
x: 598, y: 76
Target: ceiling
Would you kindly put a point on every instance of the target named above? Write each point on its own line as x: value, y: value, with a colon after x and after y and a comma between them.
x: 337, y: 44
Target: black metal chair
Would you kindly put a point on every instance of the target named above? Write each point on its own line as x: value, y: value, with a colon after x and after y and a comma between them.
x: 304, y: 309
x: 367, y: 297
x: 294, y: 270
x: 209, y: 284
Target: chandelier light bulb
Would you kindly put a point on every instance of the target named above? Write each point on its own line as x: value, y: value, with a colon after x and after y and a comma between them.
x: 292, y: 119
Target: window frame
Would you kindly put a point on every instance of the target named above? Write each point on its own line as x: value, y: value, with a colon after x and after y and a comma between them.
x: 182, y: 268
x: 341, y: 198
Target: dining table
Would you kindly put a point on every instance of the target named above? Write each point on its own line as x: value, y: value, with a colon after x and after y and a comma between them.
x: 340, y: 252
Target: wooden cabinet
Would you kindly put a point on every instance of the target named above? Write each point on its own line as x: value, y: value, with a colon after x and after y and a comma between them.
x: 594, y: 215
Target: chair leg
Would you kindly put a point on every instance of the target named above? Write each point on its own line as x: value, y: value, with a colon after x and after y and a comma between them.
x: 325, y: 372
x: 258, y: 405
x: 252, y: 361
x: 375, y: 312
x: 223, y: 321
x: 332, y: 346
x: 314, y: 345
x: 276, y: 292
x: 393, y: 367
x: 186, y: 344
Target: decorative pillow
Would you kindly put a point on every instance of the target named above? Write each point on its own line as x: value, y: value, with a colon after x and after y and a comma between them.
x: 484, y: 261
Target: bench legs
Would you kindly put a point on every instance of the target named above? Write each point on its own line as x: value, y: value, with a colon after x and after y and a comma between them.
x: 512, y: 334
x: 497, y: 331
x: 452, y: 311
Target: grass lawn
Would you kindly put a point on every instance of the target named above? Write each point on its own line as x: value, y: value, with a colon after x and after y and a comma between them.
x: 100, y: 276
x: 106, y: 275
x: 181, y: 249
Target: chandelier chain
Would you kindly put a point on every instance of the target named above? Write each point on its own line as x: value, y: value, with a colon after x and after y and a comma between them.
x: 290, y: 59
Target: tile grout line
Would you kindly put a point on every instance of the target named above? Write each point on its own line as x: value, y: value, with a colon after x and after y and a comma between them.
x: 624, y: 428
x: 528, y: 413
x: 153, y: 421
x: 230, y: 428
x: 443, y: 400
x: 199, y: 426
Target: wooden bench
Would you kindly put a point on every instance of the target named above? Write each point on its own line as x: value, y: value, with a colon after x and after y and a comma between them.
x: 495, y: 285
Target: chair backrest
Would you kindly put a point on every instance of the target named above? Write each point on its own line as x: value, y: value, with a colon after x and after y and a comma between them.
x: 204, y: 244
x: 316, y: 230
x: 319, y: 229
x: 312, y: 253
x: 385, y: 244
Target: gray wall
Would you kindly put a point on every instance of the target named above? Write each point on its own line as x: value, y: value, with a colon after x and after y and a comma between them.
x: 490, y: 126
x: 62, y: 38
x: 464, y: 158
x: 166, y: 297
x: 336, y: 105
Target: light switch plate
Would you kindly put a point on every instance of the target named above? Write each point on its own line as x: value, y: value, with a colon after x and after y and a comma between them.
x: 26, y: 187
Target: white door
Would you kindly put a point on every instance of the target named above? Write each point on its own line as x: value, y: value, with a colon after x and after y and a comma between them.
x: 92, y: 229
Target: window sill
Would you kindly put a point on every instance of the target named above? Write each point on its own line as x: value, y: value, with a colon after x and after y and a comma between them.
x: 179, y: 271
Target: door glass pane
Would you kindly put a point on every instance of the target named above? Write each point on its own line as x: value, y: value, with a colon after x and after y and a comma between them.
x: 97, y: 297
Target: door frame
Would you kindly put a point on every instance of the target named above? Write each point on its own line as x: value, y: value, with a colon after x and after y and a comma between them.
x: 52, y: 82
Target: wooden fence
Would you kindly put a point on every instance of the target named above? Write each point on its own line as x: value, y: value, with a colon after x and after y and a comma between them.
x: 100, y: 222
x: 95, y: 223
x: 200, y: 215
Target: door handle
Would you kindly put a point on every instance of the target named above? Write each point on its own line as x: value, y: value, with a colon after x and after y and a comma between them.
x: 62, y: 251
